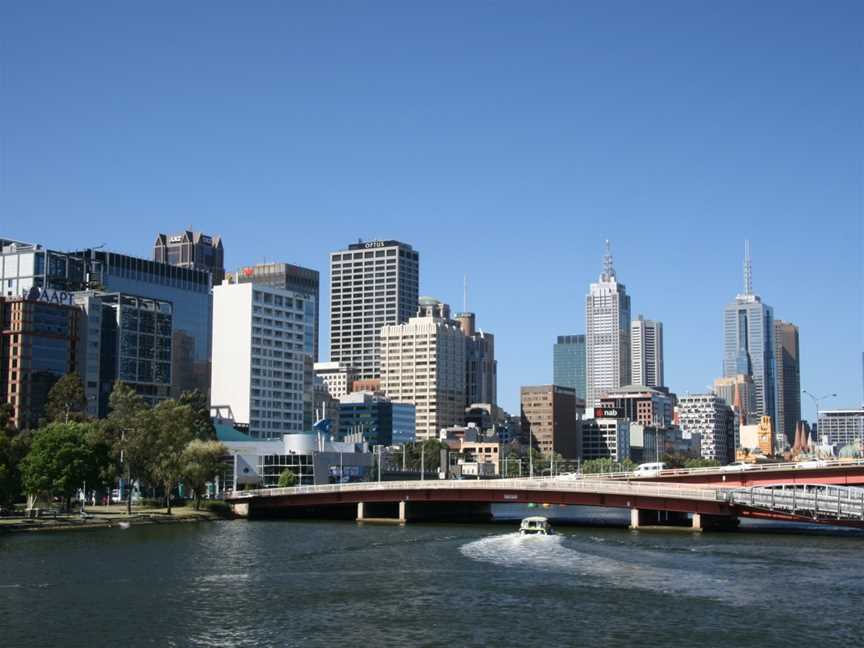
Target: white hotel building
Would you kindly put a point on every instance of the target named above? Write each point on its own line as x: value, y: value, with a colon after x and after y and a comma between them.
x: 262, y: 357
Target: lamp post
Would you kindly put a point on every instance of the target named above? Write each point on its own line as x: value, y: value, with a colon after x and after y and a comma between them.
x: 818, y: 401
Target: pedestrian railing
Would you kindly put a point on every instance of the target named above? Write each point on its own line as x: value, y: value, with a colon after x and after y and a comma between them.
x: 815, y: 501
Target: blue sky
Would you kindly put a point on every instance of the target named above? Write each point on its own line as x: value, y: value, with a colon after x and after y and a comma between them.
x: 503, y: 140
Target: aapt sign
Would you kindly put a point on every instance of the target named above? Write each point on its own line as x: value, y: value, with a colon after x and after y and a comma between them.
x: 48, y: 296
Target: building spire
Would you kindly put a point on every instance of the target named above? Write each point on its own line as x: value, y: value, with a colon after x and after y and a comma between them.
x: 748, y: 270
x: 608, y: 267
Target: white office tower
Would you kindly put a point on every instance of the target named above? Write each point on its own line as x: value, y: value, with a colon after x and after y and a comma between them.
x: 712, y: 419
x: 607, y: 337
x: 646, y: 352
x: 423, y: 362
x: 262, y: 356
x: 372, y: 284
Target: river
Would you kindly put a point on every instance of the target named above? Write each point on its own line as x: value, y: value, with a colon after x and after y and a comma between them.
x: 301, y: 583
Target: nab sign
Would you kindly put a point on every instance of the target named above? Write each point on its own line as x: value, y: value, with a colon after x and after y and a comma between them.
x: 608, y: 412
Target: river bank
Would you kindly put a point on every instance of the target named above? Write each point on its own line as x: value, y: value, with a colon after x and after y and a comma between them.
x: 108, y: 517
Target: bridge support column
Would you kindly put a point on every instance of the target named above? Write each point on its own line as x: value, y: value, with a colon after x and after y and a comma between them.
x: 360, y: 510
x: 704, y: 522
x: 403, y: 518
x: 649, y: 518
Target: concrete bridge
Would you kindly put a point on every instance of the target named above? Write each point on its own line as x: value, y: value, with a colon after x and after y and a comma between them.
x: 649, y: 503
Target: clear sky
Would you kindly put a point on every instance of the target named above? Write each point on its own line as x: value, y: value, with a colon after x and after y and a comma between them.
x: 503, y: 140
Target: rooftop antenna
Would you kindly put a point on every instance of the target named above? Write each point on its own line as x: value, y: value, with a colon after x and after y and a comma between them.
x: 608, y: 268
x: 748, y: 270
x: 465, y: 294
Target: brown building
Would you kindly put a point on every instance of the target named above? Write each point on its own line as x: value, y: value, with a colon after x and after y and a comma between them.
x: 640, y: 404
x: 38, y: 340
x: 549, y: 420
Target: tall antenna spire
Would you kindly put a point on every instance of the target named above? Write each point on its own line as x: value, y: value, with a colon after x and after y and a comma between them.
x: 465, y: 294
x: 748, y: 270
x: 608, y: 268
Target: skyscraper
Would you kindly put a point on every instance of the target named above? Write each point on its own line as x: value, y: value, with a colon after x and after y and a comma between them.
x: 423, y: 362
x: 481, y: 368
x: 646, y: 351
x: 262, y: 348
x: 287, y: 277
x: 607, y: 338
x: 748, y: 342
x: 192, y: 250
x: 372, y: 284
x: 786, y: 359
x: 568, y: 363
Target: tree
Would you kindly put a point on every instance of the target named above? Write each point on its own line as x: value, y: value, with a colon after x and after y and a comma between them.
x: 173, y: 427
x: 287, y: 479
x: 6, y: 412
x: 701, y: 463
x: 200, y: 406
x: 10, y: 476
x: 62, y: 458
x: 128, y: 427
x: 202, y: 460
x: 606, y: 465
x: 66, y: 400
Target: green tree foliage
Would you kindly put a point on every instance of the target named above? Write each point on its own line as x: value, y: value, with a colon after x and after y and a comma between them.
x: 287, y: 479
x: 606, y: 465
x: 701, y: 463
x: 129, y: 426
x: 6, y: 418
x: 200, y: 406
x: 202, y: 460
x: 12, y: 450
x: 173, y: 426
x: 62, y: 458
x: 427, y: 453
x: 66, y: 400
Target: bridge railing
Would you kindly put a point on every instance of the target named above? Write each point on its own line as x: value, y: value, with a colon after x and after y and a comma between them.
x: 809, y: 500
x: 598, y: 486
x: 726, y: 470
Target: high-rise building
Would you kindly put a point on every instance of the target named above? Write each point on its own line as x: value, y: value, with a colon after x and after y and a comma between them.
x: 336, y: 376
x: 262, y: 357
x: 642, y: 405
x: 127, y: 338
x: 550, y: 421
x: 366, y: 417
x: 748, y: 342
x: 842, y: 427
x: 38, y: 345
x: 712, y: 419
x: 607, y: 338
x: 372, y: 284
x: 739, y: 393
x: 423, y: 362
x: 27, y: 265
x: 568, y: 363
x: 606, y: 438
x: 481, y: 368
x: 646, y: 352
x: 287, y: 277
x: 192, y: 250
x: 787, y: 362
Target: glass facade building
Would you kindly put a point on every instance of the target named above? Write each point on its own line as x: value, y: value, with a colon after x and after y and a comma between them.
x: 38, y: 345
x: 568, y: 363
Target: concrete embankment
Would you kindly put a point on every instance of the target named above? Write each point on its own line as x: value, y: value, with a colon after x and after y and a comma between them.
x: 104, y: 518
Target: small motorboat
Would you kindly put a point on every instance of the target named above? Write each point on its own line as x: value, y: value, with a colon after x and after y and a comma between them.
x: 536, y: 525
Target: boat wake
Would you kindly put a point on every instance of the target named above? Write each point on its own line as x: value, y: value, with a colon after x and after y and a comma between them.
x: 556, y: 554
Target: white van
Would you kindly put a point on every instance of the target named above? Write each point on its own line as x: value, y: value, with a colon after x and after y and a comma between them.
x: 649, y: 469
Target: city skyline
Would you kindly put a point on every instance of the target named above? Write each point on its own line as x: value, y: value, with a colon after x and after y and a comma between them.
x: 665, y: 142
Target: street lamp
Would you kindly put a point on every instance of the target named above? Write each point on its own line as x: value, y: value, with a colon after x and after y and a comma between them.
x: 818, y: 401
